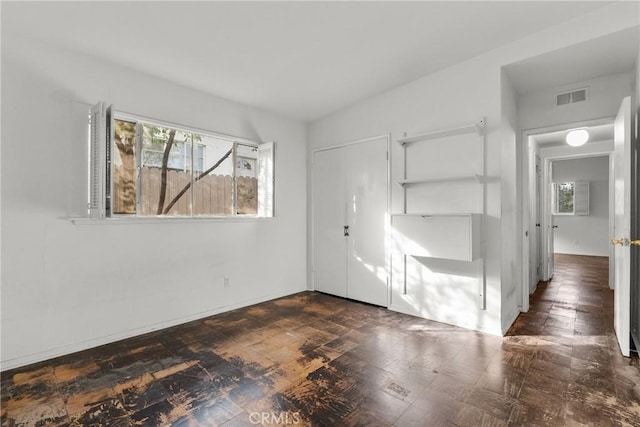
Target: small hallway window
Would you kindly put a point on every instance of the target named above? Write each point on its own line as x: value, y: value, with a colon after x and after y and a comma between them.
x: 570, y: 198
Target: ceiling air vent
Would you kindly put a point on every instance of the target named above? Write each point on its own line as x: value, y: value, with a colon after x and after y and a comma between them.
x: 565, y: 98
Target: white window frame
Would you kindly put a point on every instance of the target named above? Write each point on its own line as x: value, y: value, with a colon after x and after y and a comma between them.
x: 184, y: 154
x: 101, y: 148
x: 581, y: 190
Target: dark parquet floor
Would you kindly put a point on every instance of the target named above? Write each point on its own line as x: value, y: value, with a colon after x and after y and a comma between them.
x: 312, y: 359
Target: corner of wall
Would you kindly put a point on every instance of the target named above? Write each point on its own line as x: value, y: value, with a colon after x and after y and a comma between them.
x: 511, y: 266
x: 509, y: 319
x: 309, y: 230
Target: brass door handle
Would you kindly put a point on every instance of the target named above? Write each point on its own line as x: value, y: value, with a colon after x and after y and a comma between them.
x: 625, y: 242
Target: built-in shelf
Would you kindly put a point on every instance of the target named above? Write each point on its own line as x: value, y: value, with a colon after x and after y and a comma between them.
x: 455, y: 236
x: 470, y: 128
x: 477, y: 178
x: 445, y: 236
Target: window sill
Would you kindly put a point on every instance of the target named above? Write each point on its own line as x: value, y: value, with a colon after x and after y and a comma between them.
x: 163, y: 220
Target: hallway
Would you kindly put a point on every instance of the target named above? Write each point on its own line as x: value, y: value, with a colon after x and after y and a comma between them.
x: 317, y: 360
x: 577, y: 367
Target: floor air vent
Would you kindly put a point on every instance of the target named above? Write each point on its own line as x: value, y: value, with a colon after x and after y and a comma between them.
x: 571, y: 97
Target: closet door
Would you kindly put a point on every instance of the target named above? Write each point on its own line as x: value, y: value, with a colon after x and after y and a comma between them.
x: 367, y: 192
x: 329, y: 220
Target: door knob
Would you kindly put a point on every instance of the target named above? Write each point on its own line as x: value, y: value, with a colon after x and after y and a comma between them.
x: 635, y: 243
x: 618, y: 242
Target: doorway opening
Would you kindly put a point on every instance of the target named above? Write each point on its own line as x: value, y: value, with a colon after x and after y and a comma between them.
x: 550, y: 209
x: 618, y: 150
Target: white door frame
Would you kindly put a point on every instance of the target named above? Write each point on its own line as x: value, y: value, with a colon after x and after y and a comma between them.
x: 388, y: 222
x: 528, y: 188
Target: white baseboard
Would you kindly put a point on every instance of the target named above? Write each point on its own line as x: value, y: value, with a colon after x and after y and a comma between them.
x: 511, y: 318
x: 483, y: 329
x: 25, y: 360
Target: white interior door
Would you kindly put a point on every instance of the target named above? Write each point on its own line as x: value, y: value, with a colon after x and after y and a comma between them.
x: 329, y: 220
x: 550, y: 227
x: 622, y: 225
x: 367, y: 219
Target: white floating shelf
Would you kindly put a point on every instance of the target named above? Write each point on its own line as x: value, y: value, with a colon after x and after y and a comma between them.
x: 444, y: 236
x: 478, y: 127
x: 478, y: 178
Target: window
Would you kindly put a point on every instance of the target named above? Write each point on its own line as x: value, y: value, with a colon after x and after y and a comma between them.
x: 155, y: 140
x: 571, y: 198
x: 142, y: 168
x: 563, y: 198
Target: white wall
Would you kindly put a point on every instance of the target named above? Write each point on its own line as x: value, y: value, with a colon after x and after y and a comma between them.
x: 536, y: 110
x: 438, y: 101
x: 458, y: 95
x: 67, y: 287
x: 588, y: 234
x: 511, y: 199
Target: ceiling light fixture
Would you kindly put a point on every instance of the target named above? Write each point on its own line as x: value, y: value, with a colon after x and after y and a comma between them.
x: 577, y: 137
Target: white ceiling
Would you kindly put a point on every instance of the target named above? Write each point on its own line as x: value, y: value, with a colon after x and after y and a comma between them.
x: 610, y: 54
x: 302, y: 60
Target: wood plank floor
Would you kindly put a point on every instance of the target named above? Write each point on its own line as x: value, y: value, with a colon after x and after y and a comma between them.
x: 312, y: 359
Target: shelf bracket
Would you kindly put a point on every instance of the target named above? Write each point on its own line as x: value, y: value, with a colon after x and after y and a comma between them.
x: 481, y: 126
